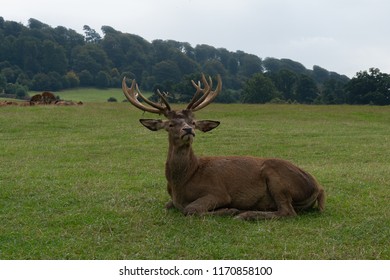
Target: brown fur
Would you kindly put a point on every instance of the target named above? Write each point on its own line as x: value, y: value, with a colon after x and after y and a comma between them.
x: 249, y: 187
x: 37, y: 98
x: 48, y: 97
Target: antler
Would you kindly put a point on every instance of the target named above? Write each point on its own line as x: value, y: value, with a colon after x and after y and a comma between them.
x: 208, y: 96
x: 132, y: 96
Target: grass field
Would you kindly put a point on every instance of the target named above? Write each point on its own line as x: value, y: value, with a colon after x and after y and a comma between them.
x: 90, y: 94
x: 87, y: 182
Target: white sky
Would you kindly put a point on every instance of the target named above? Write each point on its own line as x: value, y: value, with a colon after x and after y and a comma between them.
x: 345, y: 36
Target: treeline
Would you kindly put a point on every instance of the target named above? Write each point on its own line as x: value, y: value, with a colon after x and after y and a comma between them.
x: 39, y: 57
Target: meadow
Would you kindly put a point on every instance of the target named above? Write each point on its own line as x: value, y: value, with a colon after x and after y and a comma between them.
x: 89, y: 94
x: 87, y: 182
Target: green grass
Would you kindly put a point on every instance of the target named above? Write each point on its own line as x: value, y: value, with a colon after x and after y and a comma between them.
x: 9, y: 99
x: 89, y: 94
x: 87, y: 182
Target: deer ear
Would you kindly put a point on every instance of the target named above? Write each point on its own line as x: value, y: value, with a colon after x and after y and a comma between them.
x: 206, y: 125
x: 153, y: 125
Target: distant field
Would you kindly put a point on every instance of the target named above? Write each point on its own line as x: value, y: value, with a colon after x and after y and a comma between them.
x: 9, y: 99
x: 87, y: 182
x: 90, y: 94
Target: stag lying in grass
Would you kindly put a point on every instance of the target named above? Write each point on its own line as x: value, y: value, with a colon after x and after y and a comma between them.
x: 247, y: 187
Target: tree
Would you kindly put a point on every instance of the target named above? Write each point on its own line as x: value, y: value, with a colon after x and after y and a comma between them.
x: 55, y: 81
x: 306, y: 90
x: 249, y: 64
x: 86, y: 78
x: 68, y: 39
x: 26, y: 52
x: 72, y: 79
x: 3, y: 83
x: 90, y: 57
x: 285, y: 81
x: 272, y: 64
x: 21, y: 92
x: 228, y: 96
x: 369, y: 87
x: 36, y: 24
x: 15, y: 90
x: 53, y: 58
x: 333, y: 92
x: 259, y: 89
x: 214, y: 67
x: 12, y: 28
x: 294, y: 66
x: 204, y: 53
x: 184, y: 90
x: 102, y: 79
x: 91, y: 36
x: 185, y: 63
x: 113, y: 44
x: 115, y: 77
x: 135, y: 53
x: 165, y: 71
x: 275, y: 65
x: 320, y: 75
x: 11, y: 73
x: 41, y: 82
x: 24, y: 80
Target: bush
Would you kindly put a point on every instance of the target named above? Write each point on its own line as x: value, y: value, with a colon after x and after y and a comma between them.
x: 228, y: 96
x: 21, y: 92
x: 14, y: 91
x: 259, y: 89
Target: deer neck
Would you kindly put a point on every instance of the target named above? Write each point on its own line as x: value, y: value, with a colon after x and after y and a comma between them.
x: 181, y: 164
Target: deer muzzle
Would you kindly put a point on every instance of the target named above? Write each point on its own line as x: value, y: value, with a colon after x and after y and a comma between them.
x: 187, y: 133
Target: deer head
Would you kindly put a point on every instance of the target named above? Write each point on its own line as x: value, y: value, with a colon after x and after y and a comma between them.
x: 180, y: 124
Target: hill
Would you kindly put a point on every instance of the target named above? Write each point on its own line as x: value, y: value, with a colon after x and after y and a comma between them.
x: 39, y: 57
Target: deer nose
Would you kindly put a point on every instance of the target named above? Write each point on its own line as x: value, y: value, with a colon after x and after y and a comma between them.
x: 188, y: 130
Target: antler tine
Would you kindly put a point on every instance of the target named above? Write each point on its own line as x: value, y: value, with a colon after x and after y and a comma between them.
x: 195, y: 97
x: 209, y: 95
x: 164, y: 100
x: 205, y: 91
x: 210, y: 82
x: 151, y: 103
x: 132, y: 96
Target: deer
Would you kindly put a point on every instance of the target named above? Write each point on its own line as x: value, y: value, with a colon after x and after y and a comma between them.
x: 48, y: 97
x: 246, y: 187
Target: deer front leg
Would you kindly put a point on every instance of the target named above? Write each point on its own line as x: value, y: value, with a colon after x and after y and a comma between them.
x: 225, y: 212
x: 169, y: 204
x: 204, y: 204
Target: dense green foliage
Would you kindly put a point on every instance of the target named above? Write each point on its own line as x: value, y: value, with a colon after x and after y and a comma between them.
x: 369, y: 88
x: 38, y: 57
x: 87, y: 182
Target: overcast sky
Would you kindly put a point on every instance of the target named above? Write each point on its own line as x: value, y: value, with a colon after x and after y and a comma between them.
x: 345, y: 36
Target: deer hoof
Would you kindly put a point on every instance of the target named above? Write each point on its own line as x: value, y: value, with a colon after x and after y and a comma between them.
x: 190, y: 211
x: 245, y: 216
x: 169, y: 205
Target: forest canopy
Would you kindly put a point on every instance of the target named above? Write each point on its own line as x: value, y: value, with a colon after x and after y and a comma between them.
x: 39, y: 57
